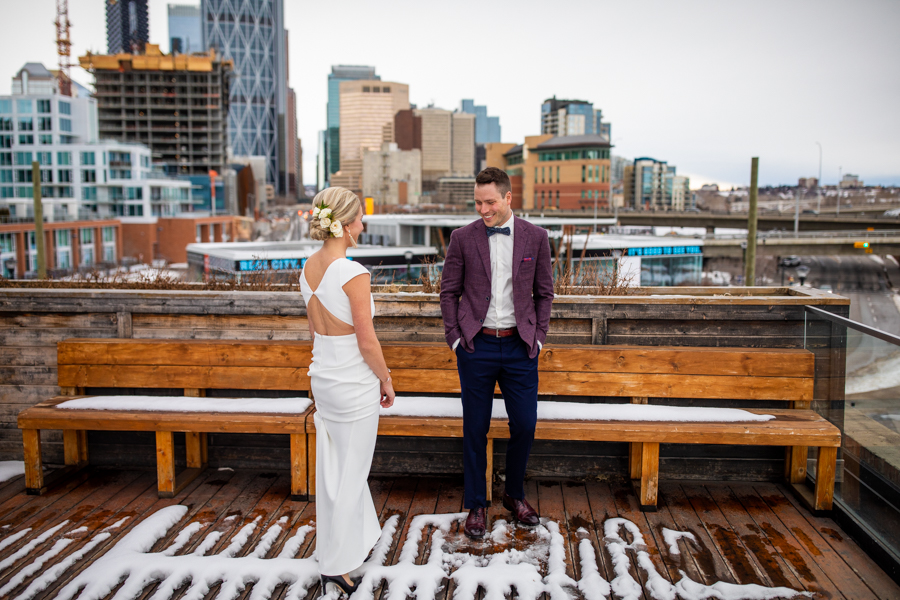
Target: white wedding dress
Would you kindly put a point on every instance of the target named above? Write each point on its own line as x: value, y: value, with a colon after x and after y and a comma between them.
x: 347, y: 395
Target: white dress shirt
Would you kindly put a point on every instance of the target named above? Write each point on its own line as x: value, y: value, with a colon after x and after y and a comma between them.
x: 501, y: 312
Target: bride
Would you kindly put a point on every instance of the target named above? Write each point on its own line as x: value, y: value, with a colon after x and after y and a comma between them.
x: 349, y: 380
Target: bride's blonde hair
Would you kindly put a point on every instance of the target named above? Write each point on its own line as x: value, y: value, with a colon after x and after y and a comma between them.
x: 344, y: 205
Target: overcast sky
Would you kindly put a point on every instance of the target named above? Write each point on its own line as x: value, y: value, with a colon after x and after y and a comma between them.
x: 704, y: 85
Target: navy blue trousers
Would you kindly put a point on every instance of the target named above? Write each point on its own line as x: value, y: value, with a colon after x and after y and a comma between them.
x: 502, y: 361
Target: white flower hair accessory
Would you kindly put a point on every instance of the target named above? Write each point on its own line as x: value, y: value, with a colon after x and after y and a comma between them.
x: 322, y: 217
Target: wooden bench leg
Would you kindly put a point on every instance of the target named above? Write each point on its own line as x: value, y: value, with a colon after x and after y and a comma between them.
x: 197, y: 450
x: 489, y: 474
x: 75, y: 447
x: 165, y: 463
x: 826, y: 466
x: 34, y: 466
x: 299, y: 467
x: 635, y: 450
x: 311, y: 461
x: 168, y: 484
x: 795, y: 463
x: 649, y: 475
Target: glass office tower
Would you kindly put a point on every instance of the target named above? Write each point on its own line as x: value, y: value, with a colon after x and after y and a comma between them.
x: 251, y: 33
x: 338, y: 74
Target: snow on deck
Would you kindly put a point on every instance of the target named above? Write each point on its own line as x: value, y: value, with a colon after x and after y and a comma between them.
x: 237, y: 534
x: 129, y: 565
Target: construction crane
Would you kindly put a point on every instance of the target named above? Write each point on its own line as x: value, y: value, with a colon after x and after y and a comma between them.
x: 63, y: 47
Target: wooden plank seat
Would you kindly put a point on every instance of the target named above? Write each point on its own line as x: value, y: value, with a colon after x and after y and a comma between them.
x: 192, y: 365
x: 640, y: 373
x: 637, y: 373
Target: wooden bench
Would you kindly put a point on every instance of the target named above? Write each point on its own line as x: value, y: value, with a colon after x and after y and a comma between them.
x: 637, y: 373
x: 193, y: 366
x: 640, y: 373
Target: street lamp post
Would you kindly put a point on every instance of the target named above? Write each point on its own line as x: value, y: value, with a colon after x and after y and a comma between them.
x: 408, y: 255
x: 819, y: 182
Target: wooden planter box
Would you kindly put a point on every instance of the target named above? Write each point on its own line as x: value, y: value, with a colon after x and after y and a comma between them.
x: 32, y: 321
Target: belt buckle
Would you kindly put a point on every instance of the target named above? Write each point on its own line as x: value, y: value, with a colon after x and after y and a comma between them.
x: 497, y: 333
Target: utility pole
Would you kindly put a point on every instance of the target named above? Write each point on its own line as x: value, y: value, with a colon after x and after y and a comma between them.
x: 838, y: 188
x: 819, y: 182
x: 797, y: 212
x: 38, y: 220
x: 750, y: 266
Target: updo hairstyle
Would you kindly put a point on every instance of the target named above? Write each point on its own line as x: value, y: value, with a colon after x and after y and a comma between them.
x: 344, y: 205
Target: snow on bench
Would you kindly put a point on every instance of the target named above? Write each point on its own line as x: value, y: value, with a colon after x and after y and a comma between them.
x: 418, y: 406
x: 190, y: 404
x: 421, y: 406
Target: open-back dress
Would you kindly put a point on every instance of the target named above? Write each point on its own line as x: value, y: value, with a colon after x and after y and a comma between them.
x: 347, y: 395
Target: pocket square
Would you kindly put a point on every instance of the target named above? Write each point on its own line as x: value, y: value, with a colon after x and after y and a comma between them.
x: 527, y: 258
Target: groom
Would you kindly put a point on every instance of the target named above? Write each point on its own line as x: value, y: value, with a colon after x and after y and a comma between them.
x: 496, y: 293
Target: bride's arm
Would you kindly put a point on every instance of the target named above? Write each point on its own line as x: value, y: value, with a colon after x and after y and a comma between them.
x: 359, y: 291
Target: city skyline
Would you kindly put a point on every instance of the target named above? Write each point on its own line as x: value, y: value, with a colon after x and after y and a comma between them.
x: 821, y: 72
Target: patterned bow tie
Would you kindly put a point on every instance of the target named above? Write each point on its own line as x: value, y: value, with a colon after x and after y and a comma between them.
x: 492, y: 230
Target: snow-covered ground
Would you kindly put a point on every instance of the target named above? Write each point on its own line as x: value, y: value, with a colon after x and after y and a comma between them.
x: 530, y: 561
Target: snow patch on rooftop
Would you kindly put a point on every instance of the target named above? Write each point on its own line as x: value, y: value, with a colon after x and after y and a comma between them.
x: 529, y: 562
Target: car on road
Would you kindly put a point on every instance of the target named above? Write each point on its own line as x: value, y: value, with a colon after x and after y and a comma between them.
x: 790, y: 261
x: 809, y: 211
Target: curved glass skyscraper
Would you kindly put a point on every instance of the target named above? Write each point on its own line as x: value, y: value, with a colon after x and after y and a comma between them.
x: 251, y: 33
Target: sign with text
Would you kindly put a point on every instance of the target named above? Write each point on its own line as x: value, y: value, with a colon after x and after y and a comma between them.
x: 274, y: 264
x: 664, y: 251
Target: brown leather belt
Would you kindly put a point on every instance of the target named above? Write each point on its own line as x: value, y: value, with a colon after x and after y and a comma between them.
x: 499, y: 332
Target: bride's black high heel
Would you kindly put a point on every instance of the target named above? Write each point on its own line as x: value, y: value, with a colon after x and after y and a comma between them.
x: 339, y: 581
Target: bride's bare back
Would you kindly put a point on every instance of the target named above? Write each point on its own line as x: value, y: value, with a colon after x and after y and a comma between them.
x: 321, y: 321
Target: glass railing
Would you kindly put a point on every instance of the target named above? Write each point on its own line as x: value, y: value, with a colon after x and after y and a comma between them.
x: 862, y: 397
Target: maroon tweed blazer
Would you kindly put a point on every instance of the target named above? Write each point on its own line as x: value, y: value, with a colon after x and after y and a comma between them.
x: 466, y: 284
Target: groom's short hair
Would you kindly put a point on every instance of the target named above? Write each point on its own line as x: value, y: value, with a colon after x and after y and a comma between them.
x: 496, y: 176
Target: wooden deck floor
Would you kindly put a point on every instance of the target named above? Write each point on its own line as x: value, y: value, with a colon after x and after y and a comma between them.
x: 239, y: 530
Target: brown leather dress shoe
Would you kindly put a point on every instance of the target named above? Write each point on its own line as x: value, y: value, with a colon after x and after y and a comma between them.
x: 475, y: 523
x: 522, y: 511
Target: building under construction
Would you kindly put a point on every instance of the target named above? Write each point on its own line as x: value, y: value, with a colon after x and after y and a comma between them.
x: 175, y: 104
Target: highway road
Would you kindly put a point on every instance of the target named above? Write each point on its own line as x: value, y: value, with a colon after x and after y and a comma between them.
x: 873, y: 366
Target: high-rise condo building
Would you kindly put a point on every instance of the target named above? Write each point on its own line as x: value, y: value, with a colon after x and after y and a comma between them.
x: 448, y: 145
x: 81, y: 176
x: 367, y: 109
x: 251, y: 34
x: 339, y: 73
x: 487, y: 129
x: 175, y: 104
x: 321, y: 162
x: 127, y: 26
x: 293, y: 164
x: 185, y: 29
x: 572, y: 117
x: 651, y: 184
